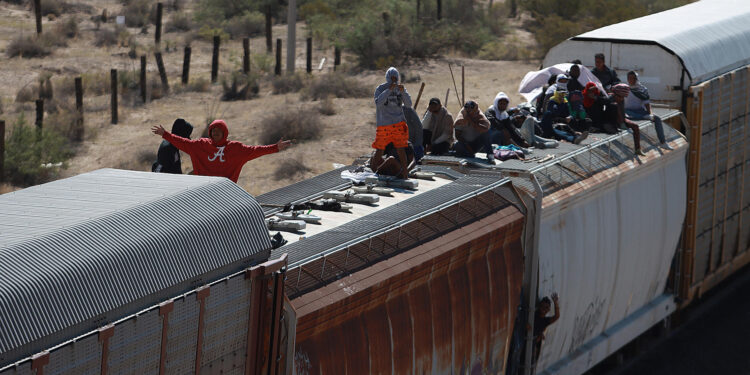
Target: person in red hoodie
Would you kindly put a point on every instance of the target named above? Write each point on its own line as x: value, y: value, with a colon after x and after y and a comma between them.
x: 215, y: 156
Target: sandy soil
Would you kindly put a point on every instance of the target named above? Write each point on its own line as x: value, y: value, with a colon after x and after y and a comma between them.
x: 130, y: 145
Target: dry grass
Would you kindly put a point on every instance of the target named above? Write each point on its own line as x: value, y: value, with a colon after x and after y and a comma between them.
x: 28, y: 47
x: 287, y: 83
x: 179, y: 22
x: 290, y: 169
x: 327, y: 107
x: 336, y: 85
x: 303, y: 124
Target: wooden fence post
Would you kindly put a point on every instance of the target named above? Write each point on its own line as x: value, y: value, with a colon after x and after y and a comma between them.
x: 277, y: 70
x: 113, y: 94
x: 336, y: 57
x: 157, y: 34
x: 463, y: 86
x: 79, y: 108
x: 246, y: 55
x: 439, y: 9
x: 309, y: 55
x: 269, y: 30
x: 39, y: 114
x: 2, y: 150
x: 186, y: 66
x: 143, y: 78
x: 215, y: 59
x: 162, y: 71
x: 38, y: 15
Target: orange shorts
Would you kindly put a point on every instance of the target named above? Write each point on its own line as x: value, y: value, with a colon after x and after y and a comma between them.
x: 398, y: 134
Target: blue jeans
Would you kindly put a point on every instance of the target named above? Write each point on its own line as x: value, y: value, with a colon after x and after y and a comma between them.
x: 642, y: 114
x: 480, y: 144
x: 549, y: 130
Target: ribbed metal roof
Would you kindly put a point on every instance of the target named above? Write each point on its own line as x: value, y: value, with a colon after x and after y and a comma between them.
x: 710, y: 37
x: 78, y: 253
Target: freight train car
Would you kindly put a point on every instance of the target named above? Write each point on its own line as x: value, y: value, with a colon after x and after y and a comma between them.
x: 126, y: 272
x: 694, y: 58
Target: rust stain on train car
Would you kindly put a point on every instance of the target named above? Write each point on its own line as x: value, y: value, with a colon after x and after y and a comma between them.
x: 445, y: 306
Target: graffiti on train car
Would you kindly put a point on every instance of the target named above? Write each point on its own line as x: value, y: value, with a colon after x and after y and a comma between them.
x: 584, y: 325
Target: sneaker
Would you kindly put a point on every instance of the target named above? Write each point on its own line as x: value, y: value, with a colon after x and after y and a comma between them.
x: 580, y: 137
x: 666, y: 146
x: 639, y: 152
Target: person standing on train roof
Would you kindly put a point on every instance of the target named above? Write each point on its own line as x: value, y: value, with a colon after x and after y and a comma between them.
x: 168, y: 156
x: 619, y: 92
x: 638, y: 107
x: 607, y: 76
x: 390, y: 120
x: 216, y: 156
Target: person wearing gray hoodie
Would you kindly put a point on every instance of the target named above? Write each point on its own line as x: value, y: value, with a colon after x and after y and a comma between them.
x: 391, y: 123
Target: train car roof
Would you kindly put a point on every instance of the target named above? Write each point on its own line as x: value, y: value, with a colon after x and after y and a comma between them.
x: 710, y: 37
x: 467, y: 189
x: 87, y: 250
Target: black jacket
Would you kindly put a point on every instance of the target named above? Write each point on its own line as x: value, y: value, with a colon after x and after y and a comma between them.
x: 168, y: 156
x: 505, y: 124
x: 608, y: 76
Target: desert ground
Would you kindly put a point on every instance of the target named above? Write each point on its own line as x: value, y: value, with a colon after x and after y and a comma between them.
x: 130, y: 145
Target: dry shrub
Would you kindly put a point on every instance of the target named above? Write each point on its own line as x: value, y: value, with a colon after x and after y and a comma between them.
x: 327, y: 107
x: 27, y: 93
x: 179, y: 22
x: 64, y: 121
x: 68, y: 28
x: 138, y: 13
x: 54, y: 7
x: 105, y: 38
x: 336, y: 85
x: 246, y: 25
x: 290, y: 169
x: 27, y: 46
x: 510, y: 48
x: 200, y: 84
x: 303, y: 124
x: 289, y: 83
x: 239, y: 87
x: 156, y: 90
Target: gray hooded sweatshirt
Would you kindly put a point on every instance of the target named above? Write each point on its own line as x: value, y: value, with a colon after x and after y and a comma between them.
x: 388, y: 102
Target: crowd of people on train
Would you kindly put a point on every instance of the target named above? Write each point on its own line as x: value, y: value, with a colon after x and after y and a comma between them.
x: 566, y: 110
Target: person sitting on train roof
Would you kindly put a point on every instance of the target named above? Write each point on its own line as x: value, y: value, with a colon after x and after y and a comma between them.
x: 638, y: 107
x: 472, y: 131
x: 216, y: 156
x: 558, y: 111
x: 580, y: 121
x: 438, y: 134
x: 607, y: 76
x: 391, y: 123
x: 573, y: 84
x: 390, y: 165
x: 168, y: 156
x: 542, y: 321
x: 619, y: 92
x: 600, y: 108
x: 542, y: 100
x: 501, y: 125
x: 416, y: 132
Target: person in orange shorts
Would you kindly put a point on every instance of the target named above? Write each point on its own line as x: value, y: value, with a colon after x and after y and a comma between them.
x: 389, y: 99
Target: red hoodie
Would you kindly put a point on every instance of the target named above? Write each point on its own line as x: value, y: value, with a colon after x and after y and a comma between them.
x: 223, y: 159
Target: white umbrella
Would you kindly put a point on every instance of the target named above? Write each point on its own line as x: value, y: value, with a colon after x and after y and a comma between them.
x: 532, y: 82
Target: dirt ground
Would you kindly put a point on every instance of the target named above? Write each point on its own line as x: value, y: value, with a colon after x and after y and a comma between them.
x: 130, y: 145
